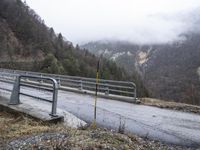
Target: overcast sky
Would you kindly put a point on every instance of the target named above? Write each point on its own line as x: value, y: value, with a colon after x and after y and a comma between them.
x: 139, y: 21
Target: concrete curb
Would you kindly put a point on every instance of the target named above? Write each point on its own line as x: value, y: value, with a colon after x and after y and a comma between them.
x: 41, y: 112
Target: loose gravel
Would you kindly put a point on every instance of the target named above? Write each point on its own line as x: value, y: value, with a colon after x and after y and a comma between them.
x: 40, y: 141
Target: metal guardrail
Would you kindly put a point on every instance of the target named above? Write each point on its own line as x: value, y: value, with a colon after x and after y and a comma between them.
x: 106, y: 87
x: 15, y: 96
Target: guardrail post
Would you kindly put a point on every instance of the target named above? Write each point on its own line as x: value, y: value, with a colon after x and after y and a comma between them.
x: 41, y: 81
x: 55, y: 96
x: 14, y: 99
x: 80, y: 85
x: 59, y: 82
x: 135, y: 93
x: 107, y: 90
x: 26, y: 73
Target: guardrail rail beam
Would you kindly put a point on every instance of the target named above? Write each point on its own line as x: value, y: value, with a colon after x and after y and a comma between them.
x: 14, y: 99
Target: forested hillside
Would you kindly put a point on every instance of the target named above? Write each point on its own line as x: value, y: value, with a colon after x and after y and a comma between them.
x: 27, y: 43
x: 172, y: 71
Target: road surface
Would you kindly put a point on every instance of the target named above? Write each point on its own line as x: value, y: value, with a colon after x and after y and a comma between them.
x: 165, y: 125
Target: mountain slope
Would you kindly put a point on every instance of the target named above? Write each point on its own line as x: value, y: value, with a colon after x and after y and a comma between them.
x: 169, y: 71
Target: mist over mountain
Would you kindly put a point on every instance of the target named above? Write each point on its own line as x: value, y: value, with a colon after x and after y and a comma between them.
x: 169, y: 71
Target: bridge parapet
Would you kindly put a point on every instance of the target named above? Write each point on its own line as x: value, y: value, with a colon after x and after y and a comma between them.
x: 110, y: 88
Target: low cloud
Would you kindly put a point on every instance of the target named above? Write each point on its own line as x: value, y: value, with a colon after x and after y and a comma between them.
x: 144, y: 21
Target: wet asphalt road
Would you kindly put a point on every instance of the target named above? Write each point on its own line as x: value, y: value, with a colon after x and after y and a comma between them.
x: 169, y: 126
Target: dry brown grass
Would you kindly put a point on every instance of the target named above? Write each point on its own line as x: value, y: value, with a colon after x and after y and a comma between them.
x: 171, y: 105
x: 14, y: 126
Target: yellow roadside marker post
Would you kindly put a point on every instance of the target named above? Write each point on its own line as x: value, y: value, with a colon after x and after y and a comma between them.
x: 94, y: 124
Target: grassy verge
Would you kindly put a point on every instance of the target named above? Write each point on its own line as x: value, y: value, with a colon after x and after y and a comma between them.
x: 18, y: 126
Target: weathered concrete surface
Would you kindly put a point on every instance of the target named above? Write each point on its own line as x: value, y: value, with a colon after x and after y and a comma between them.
x: 155, y: 123
x: 40, y: 110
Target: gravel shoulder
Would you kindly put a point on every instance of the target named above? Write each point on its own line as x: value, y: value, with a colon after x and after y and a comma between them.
x: 22, y: 132
x: 171, y: 105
